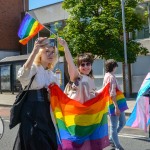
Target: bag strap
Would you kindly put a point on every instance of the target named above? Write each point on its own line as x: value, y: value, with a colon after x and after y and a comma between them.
x: 28, y: 86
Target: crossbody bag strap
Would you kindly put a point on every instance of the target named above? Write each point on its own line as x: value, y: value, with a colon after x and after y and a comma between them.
x: 28, y: 86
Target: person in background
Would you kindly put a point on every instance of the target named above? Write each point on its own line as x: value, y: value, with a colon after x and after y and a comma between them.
x: 117, y: 120
x: 37, y: 131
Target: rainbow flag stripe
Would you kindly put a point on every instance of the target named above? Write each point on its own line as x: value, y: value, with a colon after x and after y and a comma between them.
x: 121, y: 101
x: 28, y: 29
x: 80, y: 126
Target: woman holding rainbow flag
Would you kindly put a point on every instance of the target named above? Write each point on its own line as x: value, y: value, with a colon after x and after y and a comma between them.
x: 37, y: 131
x: 80, y: 112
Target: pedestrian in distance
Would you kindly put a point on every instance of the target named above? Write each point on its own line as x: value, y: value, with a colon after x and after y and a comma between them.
x: 116, y: 107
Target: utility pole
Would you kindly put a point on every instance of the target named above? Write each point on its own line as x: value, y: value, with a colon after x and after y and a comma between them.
x: 127, y: 89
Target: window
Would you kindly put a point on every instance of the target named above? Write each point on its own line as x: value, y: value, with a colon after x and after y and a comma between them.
x: 5, y: 78
x: 144, y: 33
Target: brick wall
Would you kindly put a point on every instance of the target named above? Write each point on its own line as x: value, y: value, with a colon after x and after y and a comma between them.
x: 10, y: 19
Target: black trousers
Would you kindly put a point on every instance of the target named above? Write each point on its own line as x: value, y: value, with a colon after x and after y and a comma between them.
x: 36, y: 130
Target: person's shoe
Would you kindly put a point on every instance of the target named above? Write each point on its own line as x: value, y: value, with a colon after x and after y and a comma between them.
x: 112, y: 143
x: 119, y: 148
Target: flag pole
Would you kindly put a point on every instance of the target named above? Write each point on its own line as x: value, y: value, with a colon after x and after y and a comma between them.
x: 49, y: 30
x: 126, y: 75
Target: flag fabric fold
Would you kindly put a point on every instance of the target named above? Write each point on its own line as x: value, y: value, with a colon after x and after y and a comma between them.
x: 121, y: 101
x: 80, y: 126
x: 140, y: 116
x: 28, y: 29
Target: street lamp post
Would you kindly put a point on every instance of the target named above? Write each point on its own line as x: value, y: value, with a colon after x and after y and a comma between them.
x: 127, y: 89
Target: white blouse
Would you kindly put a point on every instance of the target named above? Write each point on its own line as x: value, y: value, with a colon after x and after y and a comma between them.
x: 42, y: 78
x: 84, y: 91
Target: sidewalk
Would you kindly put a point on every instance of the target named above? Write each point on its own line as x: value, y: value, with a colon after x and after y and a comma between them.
x: 131, y: 104
x: 7, y: 99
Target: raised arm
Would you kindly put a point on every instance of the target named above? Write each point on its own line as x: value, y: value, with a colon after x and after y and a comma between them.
x: 39, y: 42
x: 72, y: 69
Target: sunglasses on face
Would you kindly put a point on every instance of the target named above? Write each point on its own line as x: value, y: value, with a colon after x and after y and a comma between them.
x: 49, y: 53
x: 85, y: 64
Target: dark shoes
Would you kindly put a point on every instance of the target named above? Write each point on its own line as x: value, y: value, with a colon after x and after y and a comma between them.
x: 113, y: 146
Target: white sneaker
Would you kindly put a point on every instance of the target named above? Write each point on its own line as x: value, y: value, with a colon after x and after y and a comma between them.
x: 119, y: 148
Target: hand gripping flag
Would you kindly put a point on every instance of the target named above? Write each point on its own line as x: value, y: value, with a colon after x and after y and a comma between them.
x: 140, y: 117
x: 121, y: 101
x: 28, y: 29
x: 80, y: 126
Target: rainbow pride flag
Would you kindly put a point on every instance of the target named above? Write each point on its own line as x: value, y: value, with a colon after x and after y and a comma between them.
x: 80, y: 126
x: 121, y: 101
x: 140, y: 116
x: 28, y: 29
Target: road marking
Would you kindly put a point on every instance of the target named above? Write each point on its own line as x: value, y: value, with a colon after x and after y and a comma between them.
x: 132, y: 136
x: 6, y: 120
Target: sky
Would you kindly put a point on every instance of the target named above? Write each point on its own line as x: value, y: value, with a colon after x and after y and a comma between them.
x: 39, y: 3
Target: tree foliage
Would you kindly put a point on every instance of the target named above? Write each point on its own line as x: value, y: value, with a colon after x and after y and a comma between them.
x: 96, y: 26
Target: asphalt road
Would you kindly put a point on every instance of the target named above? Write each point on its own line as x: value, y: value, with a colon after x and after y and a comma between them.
x: 131, y: 139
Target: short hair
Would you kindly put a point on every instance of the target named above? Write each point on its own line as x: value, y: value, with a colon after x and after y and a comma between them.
x: 110, y: 64
x: 37, y: 60
x: 85, y: 57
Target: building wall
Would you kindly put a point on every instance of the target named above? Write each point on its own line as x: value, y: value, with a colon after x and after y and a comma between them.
x: 4, y: 54
x: 10, y: 18
x: 139, y: 70
x: 145, y: 43
x: 50, y: 13
x: 99, y: 73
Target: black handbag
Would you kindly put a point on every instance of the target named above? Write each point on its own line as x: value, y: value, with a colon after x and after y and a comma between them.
x: 15, y: 111
x: 147, y: 93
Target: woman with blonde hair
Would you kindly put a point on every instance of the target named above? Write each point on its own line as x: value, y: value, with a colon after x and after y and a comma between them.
x: 37, y: 131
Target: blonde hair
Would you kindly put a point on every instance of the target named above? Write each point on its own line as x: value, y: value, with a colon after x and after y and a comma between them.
x: 37, y: 60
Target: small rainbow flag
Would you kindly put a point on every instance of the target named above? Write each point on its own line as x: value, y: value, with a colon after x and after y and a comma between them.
x: 28, y: 29
x: 80, y: 126
x: 121, y: 101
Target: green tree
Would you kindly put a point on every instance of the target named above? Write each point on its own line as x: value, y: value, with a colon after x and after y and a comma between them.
x: 96, y: 26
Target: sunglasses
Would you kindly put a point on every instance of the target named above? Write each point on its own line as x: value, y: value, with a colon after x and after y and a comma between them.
x: 85, y: 64
x: 49, y: 53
